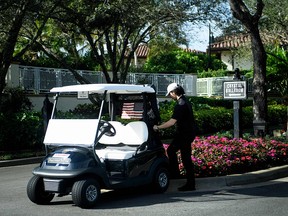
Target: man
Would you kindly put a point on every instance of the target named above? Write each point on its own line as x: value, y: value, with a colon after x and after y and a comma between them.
x: 185, y: 134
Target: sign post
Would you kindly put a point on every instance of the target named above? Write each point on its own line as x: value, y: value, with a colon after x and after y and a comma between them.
x: 236, y: 90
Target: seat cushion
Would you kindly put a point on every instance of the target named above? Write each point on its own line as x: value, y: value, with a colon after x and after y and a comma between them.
x: 115, y: 153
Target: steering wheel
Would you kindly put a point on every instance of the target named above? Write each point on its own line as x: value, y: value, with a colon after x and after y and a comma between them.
x: 107, y: 128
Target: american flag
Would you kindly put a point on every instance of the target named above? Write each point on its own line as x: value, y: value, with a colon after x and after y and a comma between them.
x: 132, y: 111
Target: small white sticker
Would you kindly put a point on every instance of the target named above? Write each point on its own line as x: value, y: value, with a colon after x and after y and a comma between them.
x: 83, y: 94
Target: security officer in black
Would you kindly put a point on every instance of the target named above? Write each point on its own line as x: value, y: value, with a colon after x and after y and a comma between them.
x: 185, y: 134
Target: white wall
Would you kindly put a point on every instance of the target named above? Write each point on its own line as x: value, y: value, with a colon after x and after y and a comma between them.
x: 12, y: 77
x: 65, y: 103
x: 243, y: 62
x: 226, y: 58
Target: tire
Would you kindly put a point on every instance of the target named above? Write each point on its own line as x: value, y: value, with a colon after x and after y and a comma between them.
x: 85, y: 193
x: 37, y: 193
x: 161, y: 180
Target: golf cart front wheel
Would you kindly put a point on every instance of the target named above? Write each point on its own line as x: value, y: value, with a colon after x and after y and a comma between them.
x: 36, y: 192
x: 161, y: 180
x: 85, y: 193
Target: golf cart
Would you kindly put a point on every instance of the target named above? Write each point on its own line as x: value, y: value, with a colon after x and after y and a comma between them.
x: 84, y: 156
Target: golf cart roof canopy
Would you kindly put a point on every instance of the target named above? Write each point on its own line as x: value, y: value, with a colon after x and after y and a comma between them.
x: 101, y: 88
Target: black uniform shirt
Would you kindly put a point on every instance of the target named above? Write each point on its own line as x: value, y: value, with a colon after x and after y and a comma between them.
x: 183, y: 113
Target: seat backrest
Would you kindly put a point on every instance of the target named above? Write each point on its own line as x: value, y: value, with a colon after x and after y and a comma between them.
x: 71, y: 132
x: 134, y: 133
x: 117, y: 138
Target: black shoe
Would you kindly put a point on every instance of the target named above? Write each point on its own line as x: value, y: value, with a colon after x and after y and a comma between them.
x: 187, y: 187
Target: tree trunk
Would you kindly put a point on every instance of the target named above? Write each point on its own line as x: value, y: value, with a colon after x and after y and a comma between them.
x: 241, y: 12
x: 259, y: 84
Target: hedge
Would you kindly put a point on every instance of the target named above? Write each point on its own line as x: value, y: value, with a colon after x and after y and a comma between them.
x: 24, y: 130
x: 217, y: 119
x: 21, y: 131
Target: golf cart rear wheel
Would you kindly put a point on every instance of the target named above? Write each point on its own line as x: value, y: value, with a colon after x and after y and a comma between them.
x: 161, y: 180
x: 85, y: 193
x: 36, y: 191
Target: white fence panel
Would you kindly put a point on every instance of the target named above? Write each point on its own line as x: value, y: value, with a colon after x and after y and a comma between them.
x: 40, y: 80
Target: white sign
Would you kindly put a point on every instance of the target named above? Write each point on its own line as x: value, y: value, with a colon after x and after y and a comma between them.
x: 235, y: 90
x: 83, y: 94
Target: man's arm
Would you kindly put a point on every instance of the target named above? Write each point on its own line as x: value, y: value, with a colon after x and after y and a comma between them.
x: 167, y: 124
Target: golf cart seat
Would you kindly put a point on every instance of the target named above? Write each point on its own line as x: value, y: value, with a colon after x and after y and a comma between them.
x: 125, y: 142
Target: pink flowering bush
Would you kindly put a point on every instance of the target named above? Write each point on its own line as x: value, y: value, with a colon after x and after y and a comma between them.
x: 218, y: 156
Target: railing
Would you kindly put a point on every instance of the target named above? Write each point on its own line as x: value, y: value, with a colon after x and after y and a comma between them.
x: 41, y: 80
x: 161, y: 81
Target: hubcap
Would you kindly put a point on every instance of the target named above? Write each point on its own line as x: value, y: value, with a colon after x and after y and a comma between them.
x: 163, y: 180
x: 91, y: 193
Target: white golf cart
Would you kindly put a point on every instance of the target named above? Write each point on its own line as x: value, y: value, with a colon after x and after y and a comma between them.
x: 84, y: 156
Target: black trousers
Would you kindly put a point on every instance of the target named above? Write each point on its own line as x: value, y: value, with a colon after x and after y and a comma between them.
x: 184, y: 145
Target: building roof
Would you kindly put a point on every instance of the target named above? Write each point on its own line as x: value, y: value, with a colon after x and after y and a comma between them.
x: 142, y: 51
x: 235, y: 41
x: 193, y: 51
x: 230, y: 42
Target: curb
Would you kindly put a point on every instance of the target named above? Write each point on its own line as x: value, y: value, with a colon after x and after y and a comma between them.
x: 202, y: 184
x: 216, y: 183
x: 24, y: 161
x: 257, y: 176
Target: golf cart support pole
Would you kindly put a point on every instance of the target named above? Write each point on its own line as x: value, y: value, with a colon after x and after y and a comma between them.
x: 54, y: 105
x: 52, y: 115
x: 98, y: 126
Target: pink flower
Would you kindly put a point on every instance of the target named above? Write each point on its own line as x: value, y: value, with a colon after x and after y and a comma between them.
x: 214, y: 156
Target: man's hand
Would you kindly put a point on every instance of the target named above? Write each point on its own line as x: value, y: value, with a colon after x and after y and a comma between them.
x: 155, y: 128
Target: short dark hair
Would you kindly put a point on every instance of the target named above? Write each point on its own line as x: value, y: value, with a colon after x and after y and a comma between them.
x: 179, y: 90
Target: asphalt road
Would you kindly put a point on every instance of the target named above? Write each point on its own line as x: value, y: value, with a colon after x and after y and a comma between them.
x: 269, y: 198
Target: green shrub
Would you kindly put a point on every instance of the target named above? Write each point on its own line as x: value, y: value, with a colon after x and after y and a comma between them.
x: 277, y: 114
x: 215, y: 102
x: 20, y: 127
x: 24, y: 129
x: 87, y: 110
x: 81, y: 111
x: 14, y: 100
x: 20, y: 131
x: 211, y: 120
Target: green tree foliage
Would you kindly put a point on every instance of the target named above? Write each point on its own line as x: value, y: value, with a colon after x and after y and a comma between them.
x: 14, y: 100
x: 19, y: 29
x: 20, y: 127
x: 114, y: 29
x: 275, y: 21
x: 110, y: 31
x: 181, y: 61
x: 277, y: 67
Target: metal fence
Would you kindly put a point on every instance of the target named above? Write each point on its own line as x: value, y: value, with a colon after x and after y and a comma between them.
x: 40, y: 80
x: 161, y: 81
x: 211, y: 86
